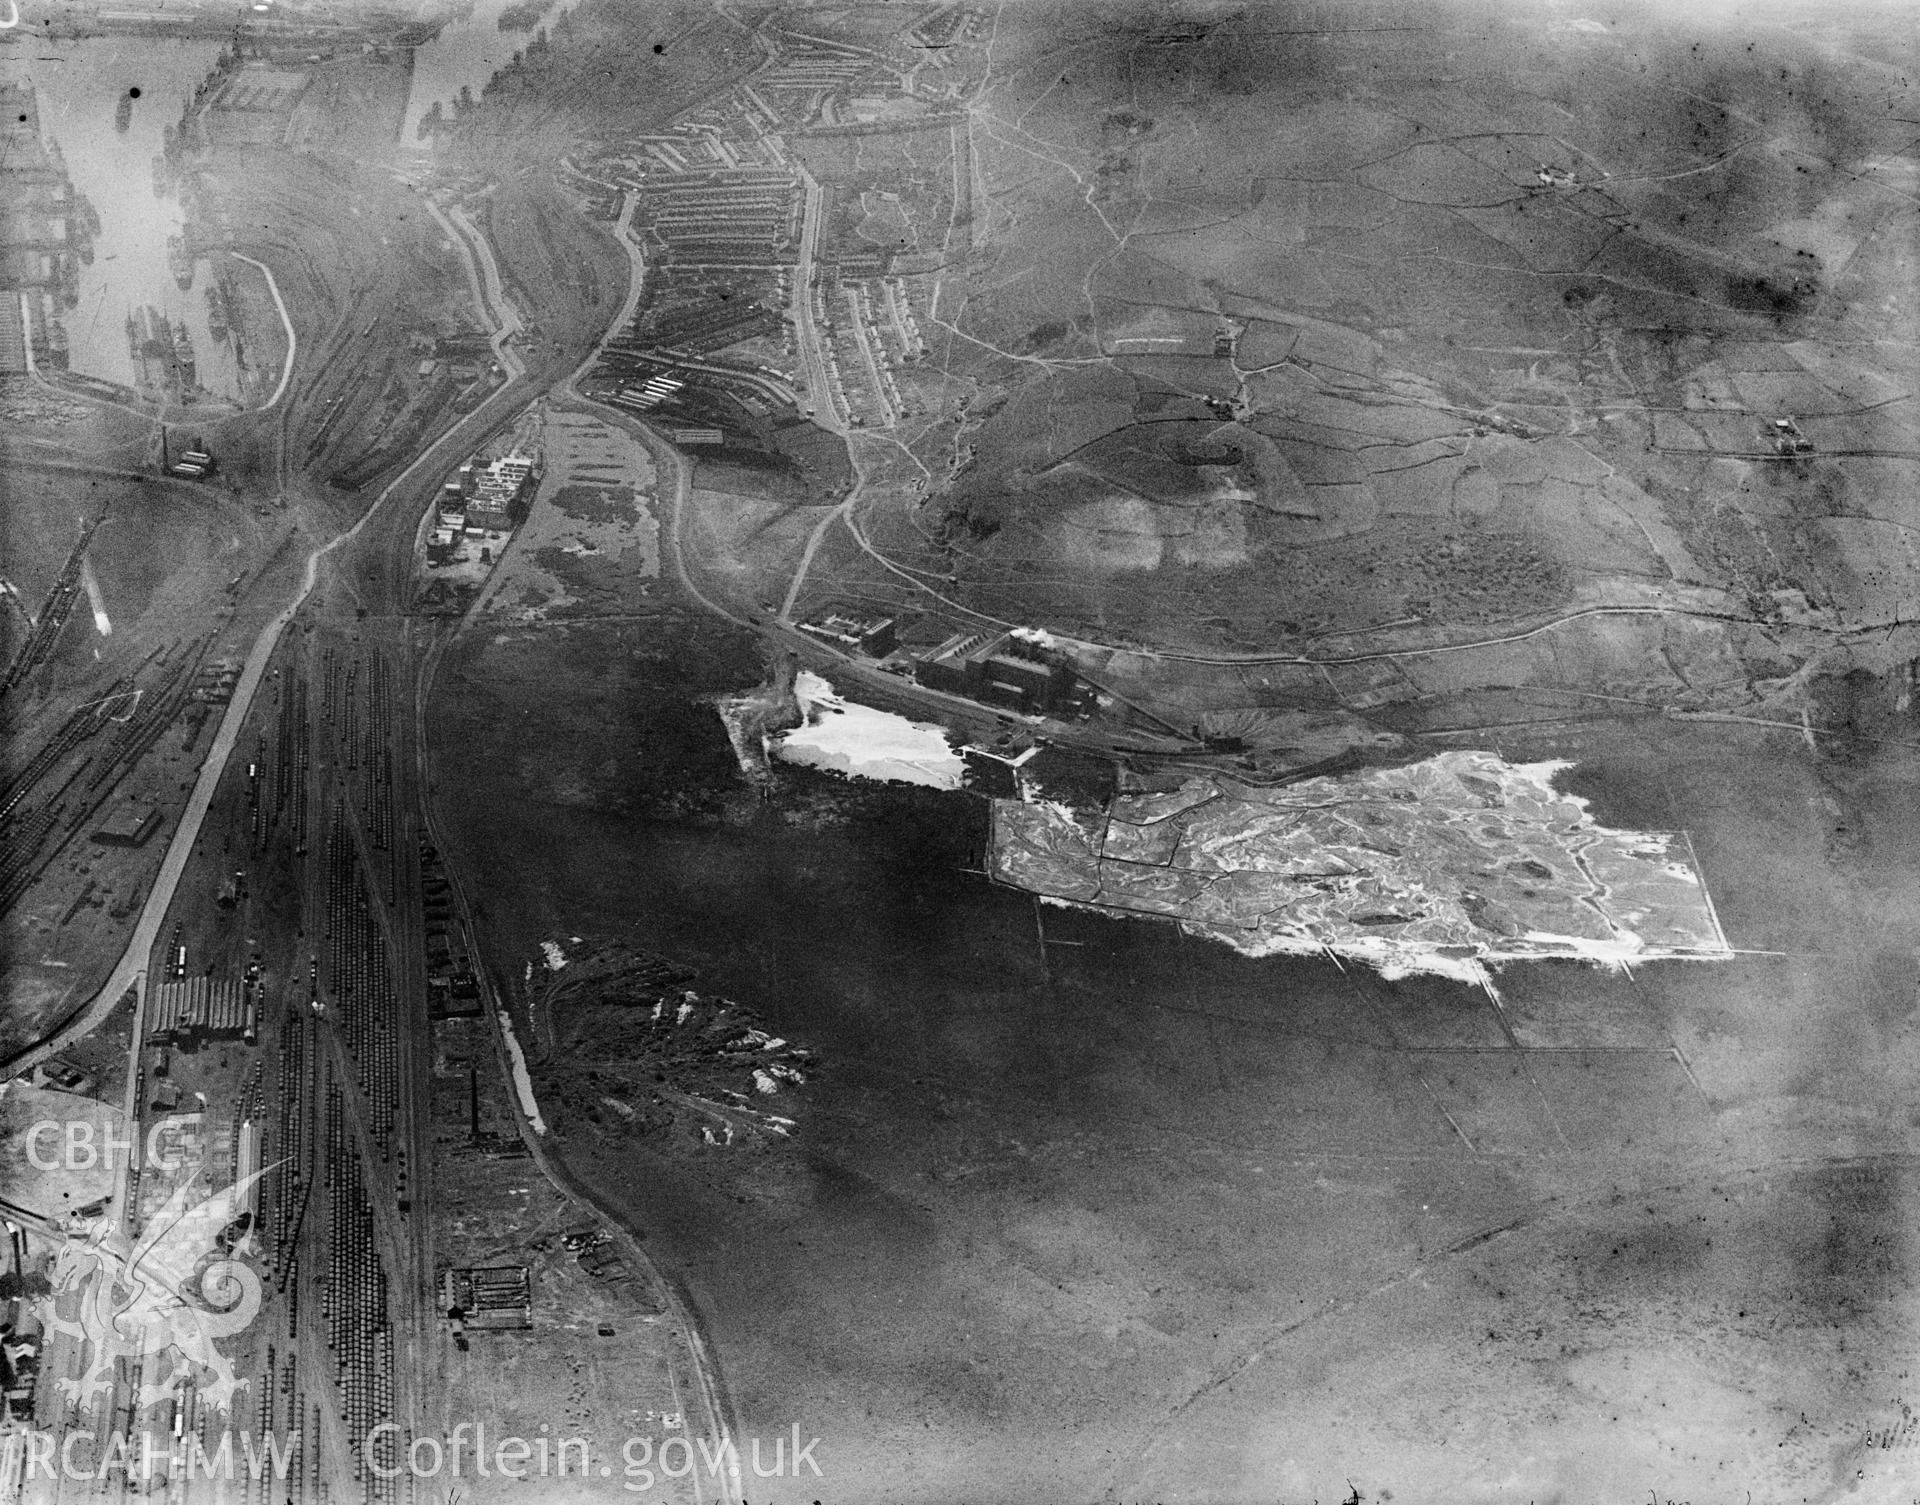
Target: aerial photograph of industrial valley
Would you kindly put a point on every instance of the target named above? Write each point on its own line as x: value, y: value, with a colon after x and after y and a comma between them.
x: 960, y: 752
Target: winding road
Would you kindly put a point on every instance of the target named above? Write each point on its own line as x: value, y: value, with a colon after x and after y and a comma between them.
x: 286, y: 323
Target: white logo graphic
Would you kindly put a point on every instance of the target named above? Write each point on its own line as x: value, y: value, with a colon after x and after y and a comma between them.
x: 163, y: 1294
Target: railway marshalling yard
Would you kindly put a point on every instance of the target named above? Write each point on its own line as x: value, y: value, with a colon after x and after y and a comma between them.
x: 1467, y: 461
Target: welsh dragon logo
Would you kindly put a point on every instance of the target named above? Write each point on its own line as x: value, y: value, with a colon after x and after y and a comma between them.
x: 160, y: 1295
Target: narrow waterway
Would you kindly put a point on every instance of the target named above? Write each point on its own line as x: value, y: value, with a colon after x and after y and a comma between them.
x: 469, y: 50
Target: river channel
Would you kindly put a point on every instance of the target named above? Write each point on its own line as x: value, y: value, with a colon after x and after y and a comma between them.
x: 468, y: 51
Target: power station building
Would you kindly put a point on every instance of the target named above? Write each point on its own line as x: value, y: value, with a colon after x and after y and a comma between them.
x: 1019, y: 671
x: 856, y: 632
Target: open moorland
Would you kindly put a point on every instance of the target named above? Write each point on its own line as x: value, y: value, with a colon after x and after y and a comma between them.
x: 1253, y: 339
